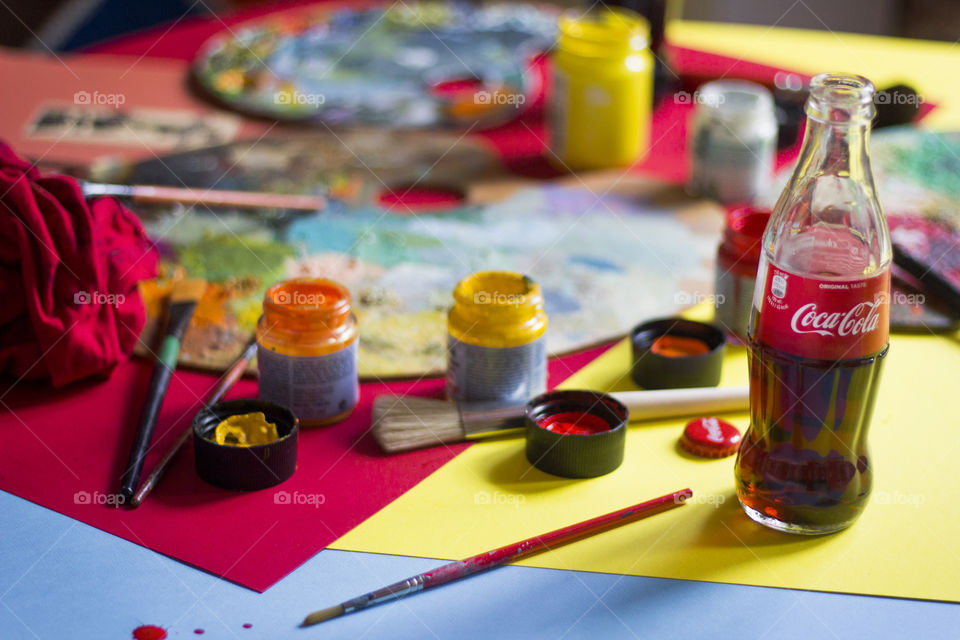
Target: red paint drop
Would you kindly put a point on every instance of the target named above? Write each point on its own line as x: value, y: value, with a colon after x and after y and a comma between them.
x: 149, y: 632
x: 247, y: 625
x: 574, y: 422
x: 199, y: 632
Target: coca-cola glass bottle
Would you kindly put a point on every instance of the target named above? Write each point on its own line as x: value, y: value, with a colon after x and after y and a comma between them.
x: 819, y: 326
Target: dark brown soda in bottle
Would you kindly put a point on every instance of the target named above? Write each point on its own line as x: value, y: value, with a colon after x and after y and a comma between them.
x: 819, y: 326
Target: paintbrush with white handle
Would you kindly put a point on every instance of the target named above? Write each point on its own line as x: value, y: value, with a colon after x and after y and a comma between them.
x: 403, y: 423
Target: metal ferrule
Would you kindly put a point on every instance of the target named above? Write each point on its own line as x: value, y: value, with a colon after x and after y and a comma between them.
x: 481, y: 418
x: 384, y: 594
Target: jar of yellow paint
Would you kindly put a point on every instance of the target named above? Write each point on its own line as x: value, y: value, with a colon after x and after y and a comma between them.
x: 307, y: 350
x: 497, y: 351
x: 601, y: 95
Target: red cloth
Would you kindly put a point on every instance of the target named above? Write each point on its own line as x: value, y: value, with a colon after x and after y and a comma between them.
x: 68, y: 276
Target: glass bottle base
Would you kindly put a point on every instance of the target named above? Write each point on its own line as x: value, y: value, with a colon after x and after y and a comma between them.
x: 789, y: 527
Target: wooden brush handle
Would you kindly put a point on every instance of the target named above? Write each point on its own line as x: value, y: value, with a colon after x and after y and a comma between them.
x: 224, y: 198
x: 669, y: 403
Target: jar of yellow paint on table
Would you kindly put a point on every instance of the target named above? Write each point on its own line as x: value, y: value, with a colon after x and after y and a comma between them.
x: 601, y: 95
x: 497, y: 351
x: 307, y: 350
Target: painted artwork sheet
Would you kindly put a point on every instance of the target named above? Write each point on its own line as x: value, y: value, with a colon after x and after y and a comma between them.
x: 609, y: 251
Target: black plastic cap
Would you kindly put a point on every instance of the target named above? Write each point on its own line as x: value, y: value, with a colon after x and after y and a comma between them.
x: 576, y: 455
x: 245, y: 468
x: 655, y: 371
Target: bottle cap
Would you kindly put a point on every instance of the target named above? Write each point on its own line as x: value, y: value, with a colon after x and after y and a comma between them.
x: 245, y: 468
x: 674, y: 353
x: 710, y: 438
x: 576, y: 434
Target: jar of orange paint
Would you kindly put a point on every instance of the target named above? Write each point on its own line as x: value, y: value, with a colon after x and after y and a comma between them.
x: 307, y: 350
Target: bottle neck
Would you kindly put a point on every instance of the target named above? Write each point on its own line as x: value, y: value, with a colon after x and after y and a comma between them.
x: 839, y: 111
x: 838, y: 149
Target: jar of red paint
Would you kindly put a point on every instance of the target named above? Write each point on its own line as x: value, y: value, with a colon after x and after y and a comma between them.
x: 737, y: 260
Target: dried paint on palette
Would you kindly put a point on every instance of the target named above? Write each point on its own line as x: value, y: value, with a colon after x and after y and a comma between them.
x: 604, y: 256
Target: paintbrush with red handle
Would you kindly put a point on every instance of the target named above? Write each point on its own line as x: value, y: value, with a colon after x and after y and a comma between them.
x: 490, y: 559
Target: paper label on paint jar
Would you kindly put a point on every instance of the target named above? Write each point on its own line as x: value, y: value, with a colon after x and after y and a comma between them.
x: 511, y: 375
x: 558, y: 116
x: 733, y: 301
x: 312, y: 387
x: 730, y: 170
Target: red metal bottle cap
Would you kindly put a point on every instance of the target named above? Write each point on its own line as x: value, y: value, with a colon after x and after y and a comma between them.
x: 710, y: 438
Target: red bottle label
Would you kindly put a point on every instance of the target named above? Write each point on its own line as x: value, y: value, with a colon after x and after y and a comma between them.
x: 822, y: 319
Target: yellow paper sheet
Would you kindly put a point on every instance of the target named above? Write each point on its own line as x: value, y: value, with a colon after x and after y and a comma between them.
x: 930, y: 67
x: 904, y: 545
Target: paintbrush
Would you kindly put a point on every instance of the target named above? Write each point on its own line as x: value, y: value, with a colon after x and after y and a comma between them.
x: 150, y: 194
x: 183, y: 301
x: 234, y: 373
x: 490, y: 559
x: 403, y: 423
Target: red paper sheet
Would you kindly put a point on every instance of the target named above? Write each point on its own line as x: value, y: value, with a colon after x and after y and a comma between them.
x: 64, y: 450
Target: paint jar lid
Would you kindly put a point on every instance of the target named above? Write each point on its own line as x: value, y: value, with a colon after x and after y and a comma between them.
x: 710, y: 438
x: 245, y: 468
x: 576, y: 434
x: 676, y: 353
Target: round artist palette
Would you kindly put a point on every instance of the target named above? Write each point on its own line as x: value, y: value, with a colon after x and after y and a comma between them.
x: 403, y: 65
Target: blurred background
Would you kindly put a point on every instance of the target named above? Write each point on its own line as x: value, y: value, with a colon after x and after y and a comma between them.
x: 62, y: 25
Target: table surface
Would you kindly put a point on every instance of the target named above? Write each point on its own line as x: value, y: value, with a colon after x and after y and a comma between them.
x: 63, y: 579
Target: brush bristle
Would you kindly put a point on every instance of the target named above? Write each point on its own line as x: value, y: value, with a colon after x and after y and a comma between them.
x: 322, y: 615
x: 187, y: 289
x: 403, y: 423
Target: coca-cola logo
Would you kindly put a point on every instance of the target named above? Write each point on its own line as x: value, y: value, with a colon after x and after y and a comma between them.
x: 861, y: 319
x: 714, y: 432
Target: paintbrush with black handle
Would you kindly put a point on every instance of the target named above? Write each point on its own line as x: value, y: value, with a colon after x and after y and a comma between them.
x: 234, y: 373
x: 183, y: 301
